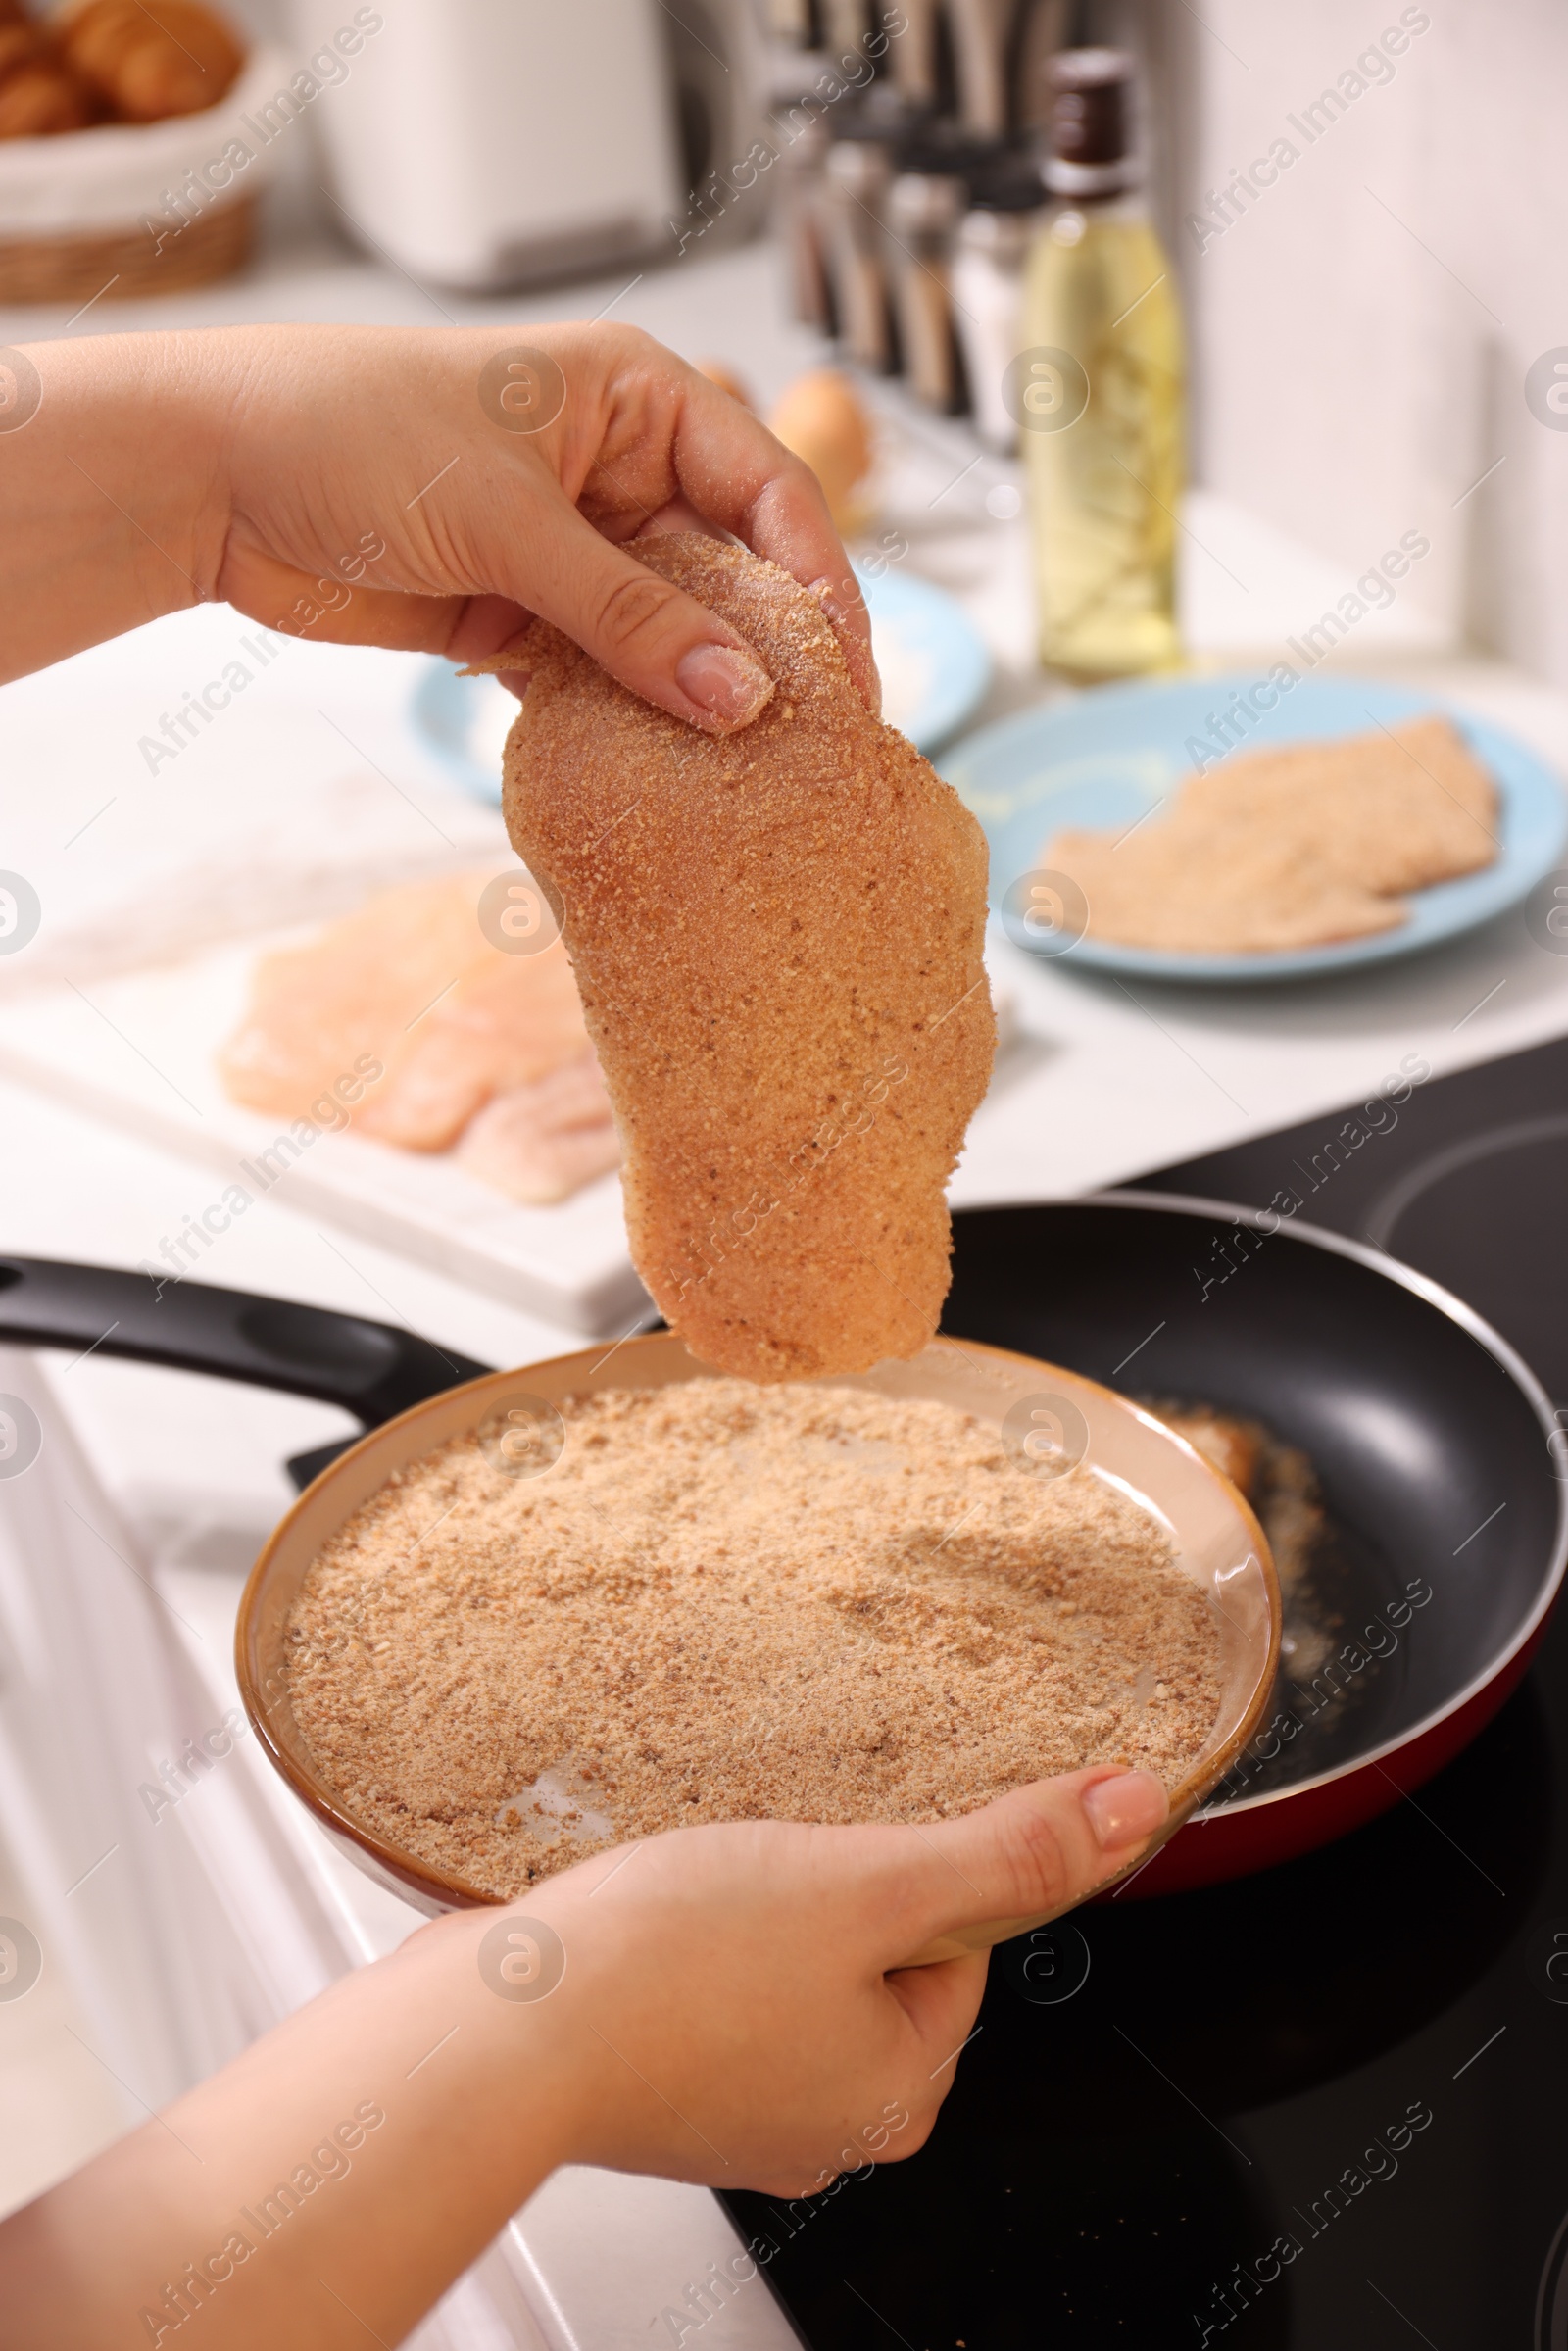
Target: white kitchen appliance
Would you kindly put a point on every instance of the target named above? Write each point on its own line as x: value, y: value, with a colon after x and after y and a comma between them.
x: 490, y: 143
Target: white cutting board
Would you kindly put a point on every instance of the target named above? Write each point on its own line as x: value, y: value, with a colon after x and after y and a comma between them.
x: 140, y: 1050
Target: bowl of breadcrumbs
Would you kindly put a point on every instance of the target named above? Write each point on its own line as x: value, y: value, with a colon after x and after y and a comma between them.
x: 565, y: 1608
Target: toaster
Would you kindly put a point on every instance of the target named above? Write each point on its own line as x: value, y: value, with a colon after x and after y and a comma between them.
x: 483, y: 144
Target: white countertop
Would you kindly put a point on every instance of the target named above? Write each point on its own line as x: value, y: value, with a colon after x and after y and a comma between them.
x: 1100, y: 1084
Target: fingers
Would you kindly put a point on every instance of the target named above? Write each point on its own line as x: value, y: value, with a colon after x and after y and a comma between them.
x: 644, y: 442
x: 942, y: 2003
x: 1039, y: 1850
x: 679, y: 514
x: 666, y: 449
x: 662, y: 644
x: 735, y: 473
x: 1125, y: 1808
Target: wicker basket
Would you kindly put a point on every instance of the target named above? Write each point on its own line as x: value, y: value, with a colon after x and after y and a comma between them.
x: 96, y: 212
x: 123, y: 264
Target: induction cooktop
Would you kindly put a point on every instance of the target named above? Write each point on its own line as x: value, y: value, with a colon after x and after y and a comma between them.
x: 1326, y: 2108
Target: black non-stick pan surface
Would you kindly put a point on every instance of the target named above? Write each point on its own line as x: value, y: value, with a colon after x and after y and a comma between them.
x: 1430, y: 1445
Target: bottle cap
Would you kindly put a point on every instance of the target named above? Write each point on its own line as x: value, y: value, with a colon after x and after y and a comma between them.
x: 1089, y: 122
x: 1005, y: 180
x: 930, y: 145
x: 881, y: 115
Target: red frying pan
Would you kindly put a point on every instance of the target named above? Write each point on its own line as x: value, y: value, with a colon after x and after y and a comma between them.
x: 1447, y: 1518
x: 1435, y: 1449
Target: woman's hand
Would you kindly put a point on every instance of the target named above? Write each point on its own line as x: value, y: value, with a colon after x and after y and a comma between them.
x: 715, y: 2004
x: 755, y: 2027
x: 388, y: 486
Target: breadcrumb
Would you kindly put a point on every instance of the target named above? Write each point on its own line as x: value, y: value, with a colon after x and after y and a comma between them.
x: 726, y: 1602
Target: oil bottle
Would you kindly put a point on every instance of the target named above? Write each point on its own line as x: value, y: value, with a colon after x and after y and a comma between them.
x: 1099, y: 390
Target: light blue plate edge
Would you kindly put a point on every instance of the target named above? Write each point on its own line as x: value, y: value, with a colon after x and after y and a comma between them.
x: 959, y: 673
x: 961, y: 661
x: 437, y: 709
x: 1534, y: 811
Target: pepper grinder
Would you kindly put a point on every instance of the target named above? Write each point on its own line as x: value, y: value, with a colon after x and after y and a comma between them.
x: 858, y: 178
x: 923, y: 212
x: 803, y: 225
x: 981, y: 31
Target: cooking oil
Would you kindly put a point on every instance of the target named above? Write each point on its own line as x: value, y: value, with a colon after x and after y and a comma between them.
x: 1099, y: 391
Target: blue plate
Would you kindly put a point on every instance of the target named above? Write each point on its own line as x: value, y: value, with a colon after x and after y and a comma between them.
x: 1105, y: 759
x: 463, y: 721
x: 936, y: 662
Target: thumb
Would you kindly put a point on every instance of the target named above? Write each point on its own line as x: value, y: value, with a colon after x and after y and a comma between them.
x: 1030, y: 1855
x: 647, y: 634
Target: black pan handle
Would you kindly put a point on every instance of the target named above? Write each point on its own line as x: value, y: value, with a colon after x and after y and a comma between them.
x: 370, y: 1368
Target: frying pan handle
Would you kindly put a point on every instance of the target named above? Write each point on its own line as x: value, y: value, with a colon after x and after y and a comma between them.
x: 370, y: 1368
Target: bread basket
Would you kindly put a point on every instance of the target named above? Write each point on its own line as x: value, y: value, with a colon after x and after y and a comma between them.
x: 129, y: 210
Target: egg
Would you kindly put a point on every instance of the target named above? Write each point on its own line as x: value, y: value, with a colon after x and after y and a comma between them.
x: 822, y: 419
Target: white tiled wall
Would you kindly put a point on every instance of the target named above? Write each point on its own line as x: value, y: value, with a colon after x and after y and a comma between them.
x: 1361, y: 333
